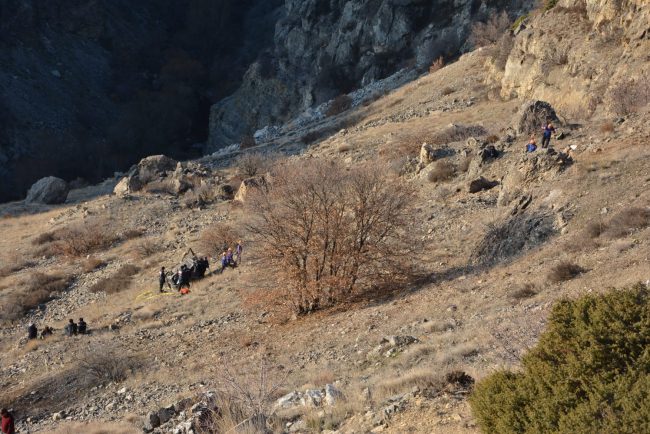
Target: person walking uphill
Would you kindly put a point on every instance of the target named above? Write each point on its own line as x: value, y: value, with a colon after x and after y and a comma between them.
x: 8, y: 426
x: 239, y: 248
x: 548, y: 130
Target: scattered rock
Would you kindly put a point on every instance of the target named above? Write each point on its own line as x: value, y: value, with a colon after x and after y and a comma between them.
x: 256, y: 182
x: 332, y: 394
x: 399, y: 341
x: 533, y: 115
x: 50, y: 191
x: 166, y: 413
x: 312, y: 398
x: 151, y: 421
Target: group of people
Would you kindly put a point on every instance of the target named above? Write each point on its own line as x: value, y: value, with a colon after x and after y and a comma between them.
x: 183, y: 277
x: 73, y: 329
x: 70, y: 329
x: 548, y: 131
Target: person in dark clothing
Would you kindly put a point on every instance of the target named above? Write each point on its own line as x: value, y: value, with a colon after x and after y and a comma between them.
x: 162, y: 279
x: 548, y: 130
x: 32, y: 331
x: 8, y: 426
x: 239, y: 248
x: 184, y: 275
x: 82, y: 326
x: 71, y: 328
x: 47, y: 331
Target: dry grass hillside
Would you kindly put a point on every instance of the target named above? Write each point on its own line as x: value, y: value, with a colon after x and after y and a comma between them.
x: 490, y: 265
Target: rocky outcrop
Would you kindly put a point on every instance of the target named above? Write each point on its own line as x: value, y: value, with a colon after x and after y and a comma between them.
x: 49, y: 191
x: 326, y: 48
x: 571, y: 54
x: 249, y: 184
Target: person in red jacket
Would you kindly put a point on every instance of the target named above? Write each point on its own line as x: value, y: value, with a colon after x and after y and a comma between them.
x: 7, y: 422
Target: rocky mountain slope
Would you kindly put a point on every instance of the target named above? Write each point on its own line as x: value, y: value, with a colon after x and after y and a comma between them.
x: 496, y: 225
x: 88, y: 88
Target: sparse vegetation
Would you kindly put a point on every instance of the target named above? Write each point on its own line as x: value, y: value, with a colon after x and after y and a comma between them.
x: 437, y: 64
x: 564, y: 271
x: 85, y: 238
x: 588, y: 373
x: 330, y: 231
x: 146, y: 248
x: 339, y: 104
x: 37, y: 289
x: 490, y: 32
x: 164, y: 186
x: 622, y: 224
x: 607, y: 127
x: 251, y: 164
x: 103, y: 364
x: 212, y: 238
x: 627, y: 96
x: 117, y: 282
x: 524, y: 291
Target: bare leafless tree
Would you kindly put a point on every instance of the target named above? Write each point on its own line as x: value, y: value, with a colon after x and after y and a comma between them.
x: 328, y: 230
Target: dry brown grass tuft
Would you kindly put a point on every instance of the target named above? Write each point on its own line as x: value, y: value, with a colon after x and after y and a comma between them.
x: 92, y: 264
x: 117, y: 282
x: 442, y: 171
x: 213, y: 238
x: 564, y: 271
x: 447, y: 91
x: 524, y: 291
x: 422, y: 378
x: 146, y: 248
x: 44, y: 238
x: 628, y: 221
x: 103, y: 364
x: 437, y: 64
x: 85, y: 238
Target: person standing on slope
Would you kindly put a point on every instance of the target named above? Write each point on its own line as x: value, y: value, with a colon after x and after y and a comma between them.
x: 548, y: 130
x: 8, y: 426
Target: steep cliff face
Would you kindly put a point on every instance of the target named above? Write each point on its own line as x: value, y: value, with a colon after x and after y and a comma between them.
x: 323, y: 48
x: 573, y: 54
x: 88, y: 87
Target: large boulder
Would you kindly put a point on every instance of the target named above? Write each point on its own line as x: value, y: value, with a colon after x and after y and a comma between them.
x: 481, y: 184
x: 533, y: 115
x: 50, y: 190
x: 156, y: 165
x: 127, y: 185
x: 249, y: 184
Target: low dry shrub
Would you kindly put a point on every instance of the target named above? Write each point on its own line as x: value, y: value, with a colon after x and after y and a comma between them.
x: 103, y: 364
x: 422, y: 378
x: 213, y: 238
x: 117, y: 282
x: 339, y: 105
x: 524, y: 291
x: 628, y: 221
x: 200, y: 196
x: 463, y: 165
x: 92, y: 264
x: 437, y: 64
x: 587, y: 374
x: 146, y: 248
x: 627, y: 96
x: 85, y: 238
x: 443, y: 170
x: 250, y: 164
x: 488, y: 33
x: 447, y: 91
x: 44, y: 238
x: 564, y: 271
